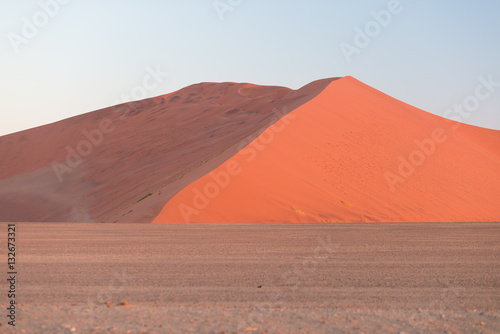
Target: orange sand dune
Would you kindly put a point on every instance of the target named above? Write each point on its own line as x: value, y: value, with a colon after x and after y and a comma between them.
x: 351, y: 154
x: 103, y: 166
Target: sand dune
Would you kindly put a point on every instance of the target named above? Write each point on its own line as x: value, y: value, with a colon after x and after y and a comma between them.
x: 332, y: 151
x: 351, y: 154
x: 103, y: 165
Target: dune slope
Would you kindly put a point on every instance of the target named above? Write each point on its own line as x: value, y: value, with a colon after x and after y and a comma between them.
x: 351, y: 154
x: 123, y: 163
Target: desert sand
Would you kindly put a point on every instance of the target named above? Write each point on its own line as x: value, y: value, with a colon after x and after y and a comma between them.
x: 257, y: 278
x: 229, y: 157
x: 351, y: 154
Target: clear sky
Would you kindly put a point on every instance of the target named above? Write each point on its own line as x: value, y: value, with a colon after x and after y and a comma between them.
x: 61, y: 58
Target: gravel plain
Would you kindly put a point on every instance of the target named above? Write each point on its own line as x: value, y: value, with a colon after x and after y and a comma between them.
x: 256, y: 278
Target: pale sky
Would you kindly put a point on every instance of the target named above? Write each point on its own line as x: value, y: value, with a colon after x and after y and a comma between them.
x: 62, y: 58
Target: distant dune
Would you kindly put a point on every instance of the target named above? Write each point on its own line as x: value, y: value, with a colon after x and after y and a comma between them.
x: 122, y: 164
x: 351, y: 154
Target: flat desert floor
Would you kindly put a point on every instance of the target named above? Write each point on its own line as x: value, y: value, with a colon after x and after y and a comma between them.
x: 255, y: 278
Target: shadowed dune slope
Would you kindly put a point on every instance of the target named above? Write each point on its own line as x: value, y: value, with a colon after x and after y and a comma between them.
x: 123, y: 163
x: 351, y: 154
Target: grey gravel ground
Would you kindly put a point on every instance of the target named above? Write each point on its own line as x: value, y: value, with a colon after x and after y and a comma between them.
x: 252, y: 278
